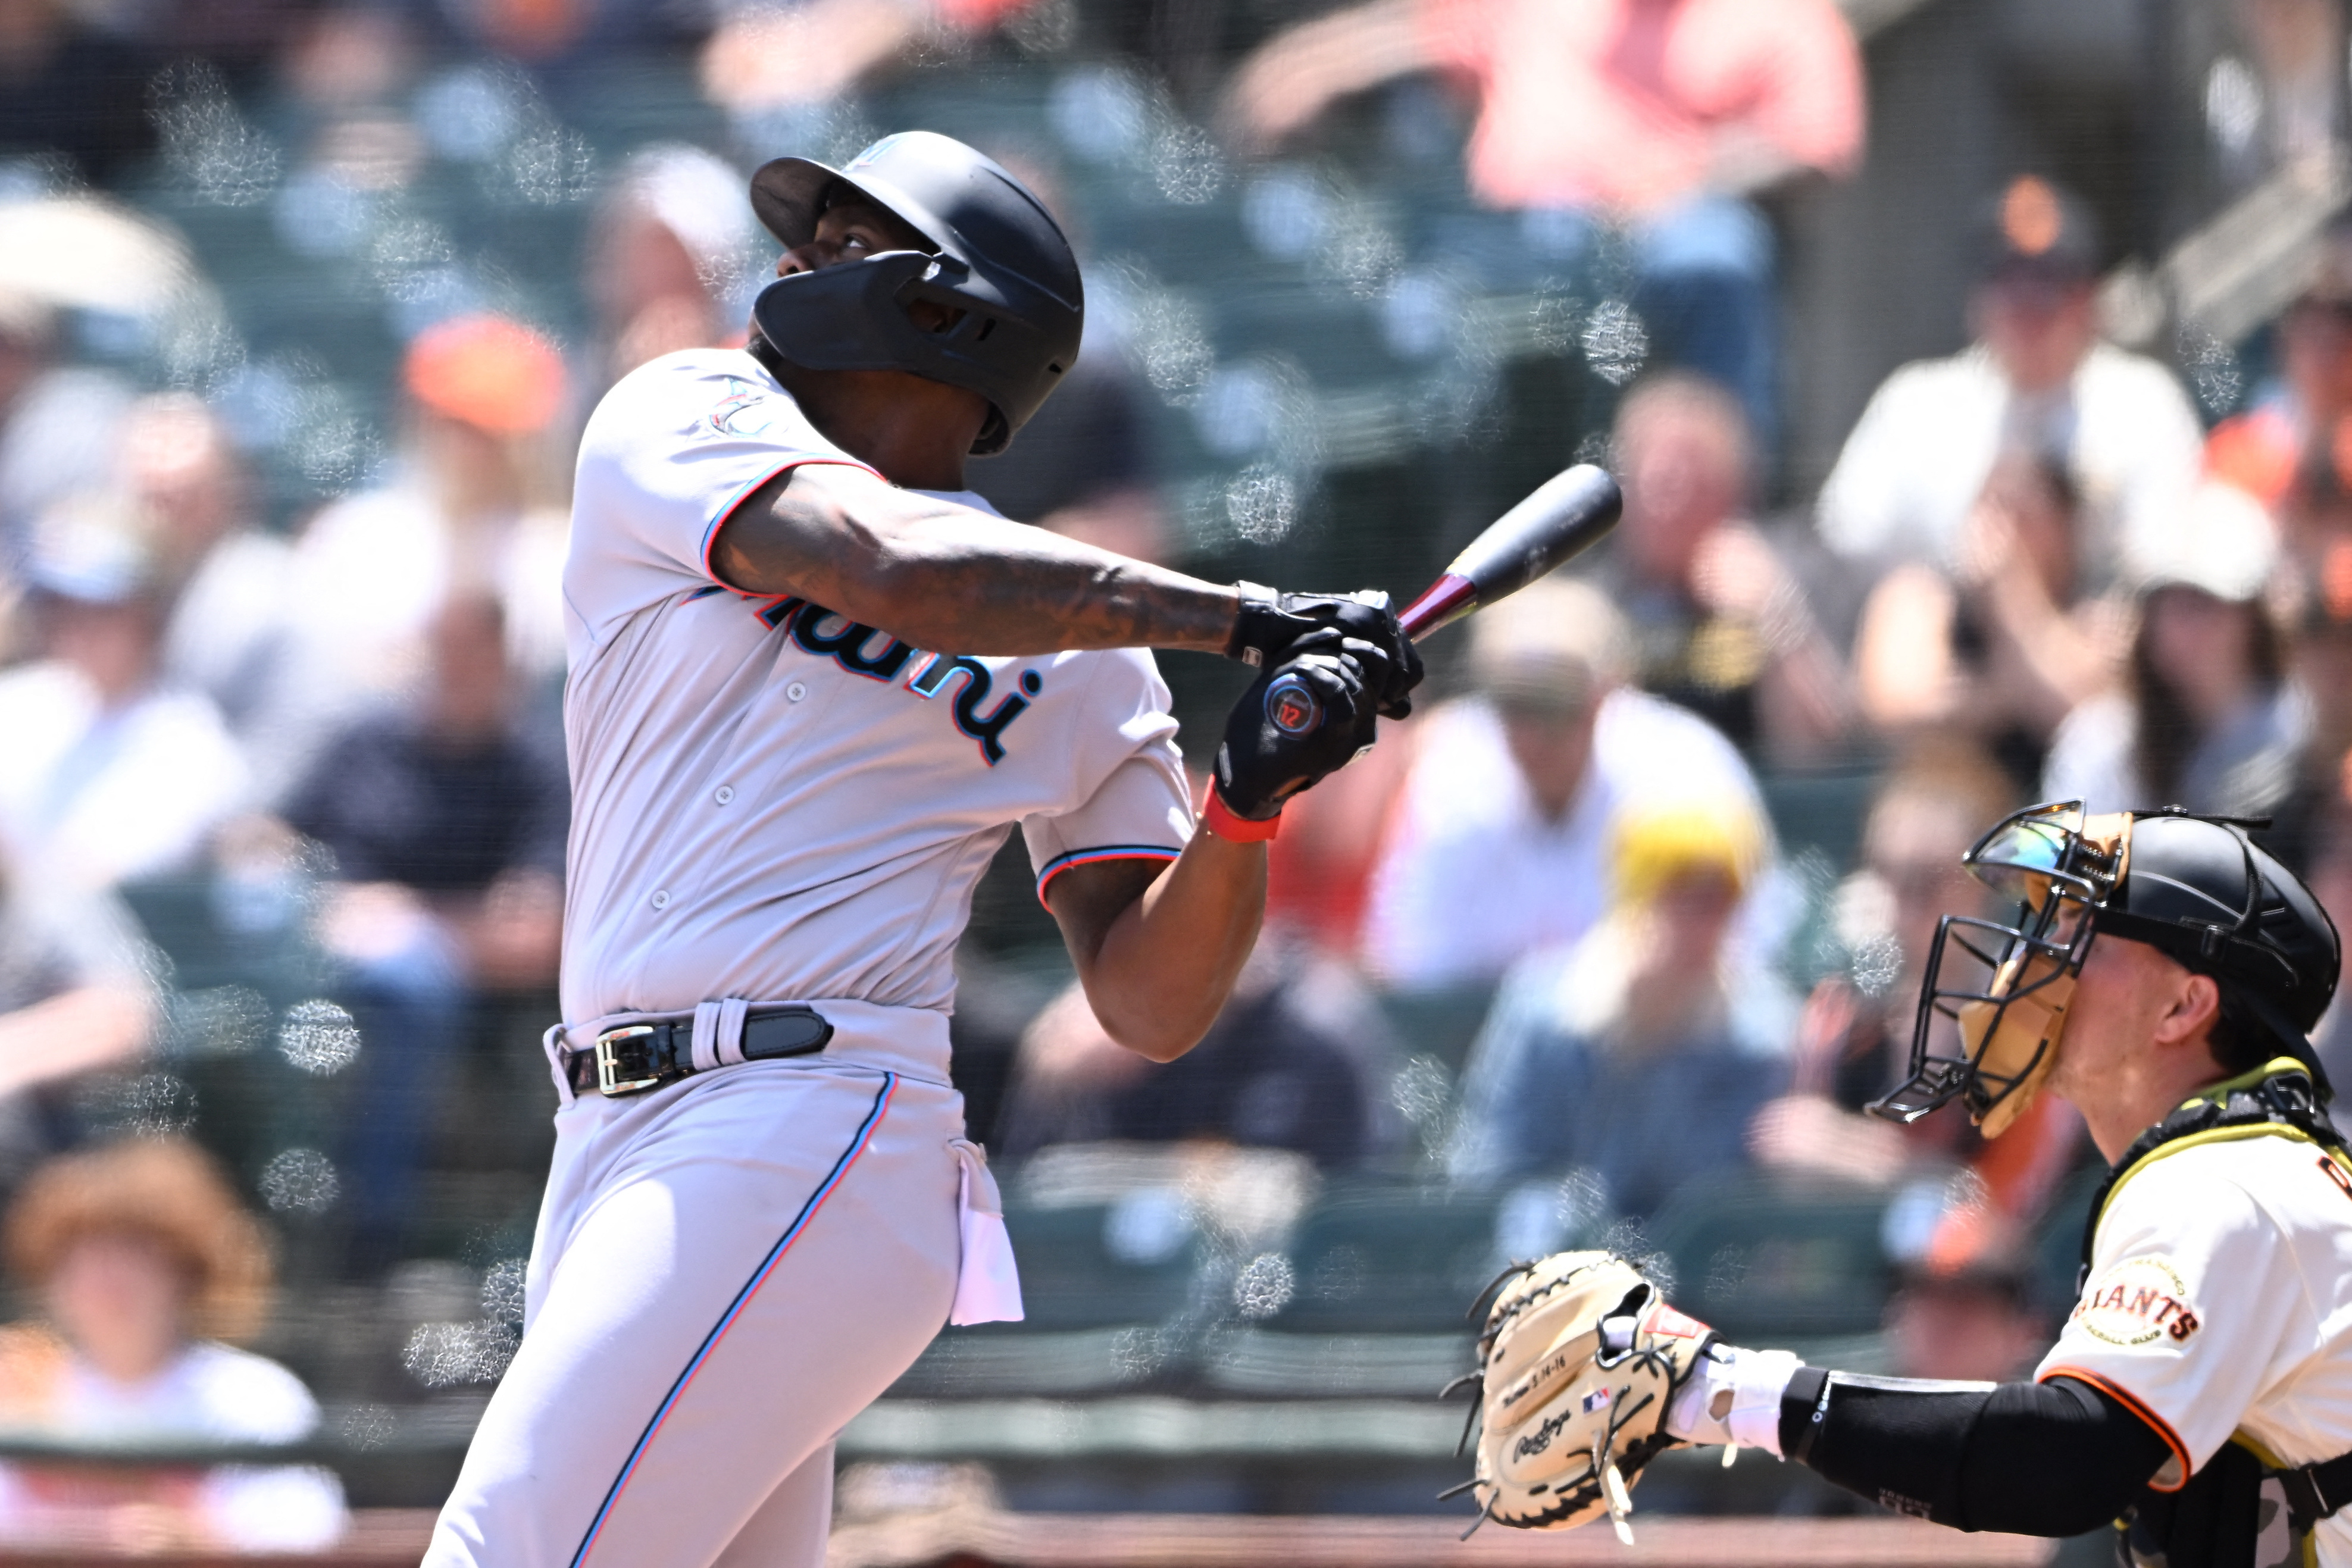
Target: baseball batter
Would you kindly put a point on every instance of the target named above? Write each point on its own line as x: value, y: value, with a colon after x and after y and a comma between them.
x: 2162, y: 974
x: 815, y: 682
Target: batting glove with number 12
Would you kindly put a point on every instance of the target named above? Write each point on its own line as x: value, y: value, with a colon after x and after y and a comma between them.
x: 1300, y: 721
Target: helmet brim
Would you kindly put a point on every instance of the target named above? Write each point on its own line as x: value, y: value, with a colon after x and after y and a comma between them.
x: 788, y: 194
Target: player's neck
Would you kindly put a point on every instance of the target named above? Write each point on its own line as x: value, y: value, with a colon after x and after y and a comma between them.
x: 915, y: 432
x: 2140, y: 1094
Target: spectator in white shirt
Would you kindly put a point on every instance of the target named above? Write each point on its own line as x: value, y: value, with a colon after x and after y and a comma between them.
x: 468, y: 511
x: 667, y: 252
x: 225, y: 580
x: 2039, y: 381
x: 2207, y: 717
x: 76, y: 996
x: 109, y: 775
x: 144, y: 1262
x: 1499, y: 841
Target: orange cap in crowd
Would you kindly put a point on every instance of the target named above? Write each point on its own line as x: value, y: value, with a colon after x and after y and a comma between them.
x: 494, y: 374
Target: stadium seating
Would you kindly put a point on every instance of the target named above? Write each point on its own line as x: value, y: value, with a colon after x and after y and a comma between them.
x: 1775, y: 1256
x: 1400, y: 1260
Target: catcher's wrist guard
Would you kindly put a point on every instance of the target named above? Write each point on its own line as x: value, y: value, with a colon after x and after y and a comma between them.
x: 1578, y: 1361
x: 1734, y: 1398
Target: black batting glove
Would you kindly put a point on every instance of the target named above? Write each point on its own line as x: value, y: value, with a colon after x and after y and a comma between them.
x: 1273, y: 627
x: 1299, y: 722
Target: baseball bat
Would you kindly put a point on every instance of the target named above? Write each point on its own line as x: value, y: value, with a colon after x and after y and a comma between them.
x: 1567, y: 515
x: 1564, y: 517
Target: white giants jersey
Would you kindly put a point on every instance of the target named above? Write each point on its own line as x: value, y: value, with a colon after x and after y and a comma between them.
x: 772, y: 802
x: 2219, y: 1300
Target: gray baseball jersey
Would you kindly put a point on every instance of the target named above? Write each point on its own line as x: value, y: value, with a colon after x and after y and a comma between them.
x: 771, y: 803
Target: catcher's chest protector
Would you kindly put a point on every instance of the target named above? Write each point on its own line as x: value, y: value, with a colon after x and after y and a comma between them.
x: 2233, y: 1513
x: 2244, y: 1508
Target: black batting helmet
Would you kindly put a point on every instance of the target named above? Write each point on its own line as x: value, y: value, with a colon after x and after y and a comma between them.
x: 1003, y: 270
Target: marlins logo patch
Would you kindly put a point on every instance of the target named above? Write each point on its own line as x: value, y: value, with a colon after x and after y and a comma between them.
x: 744, y: 411
x: 2138, y: 1301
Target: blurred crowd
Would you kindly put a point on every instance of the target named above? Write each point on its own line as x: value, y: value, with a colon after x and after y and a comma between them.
x: 1577, y: 922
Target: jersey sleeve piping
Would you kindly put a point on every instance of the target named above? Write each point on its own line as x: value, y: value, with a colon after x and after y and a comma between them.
x: 718, y: 518
x: 2131, y: 1402
x: 1060, y: 863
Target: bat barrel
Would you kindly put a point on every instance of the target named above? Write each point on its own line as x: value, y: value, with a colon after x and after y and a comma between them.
x: 1565, y: 516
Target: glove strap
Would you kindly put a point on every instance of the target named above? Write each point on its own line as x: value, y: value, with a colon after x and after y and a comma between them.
x: 1220, y: 819
x: 1252, y: 593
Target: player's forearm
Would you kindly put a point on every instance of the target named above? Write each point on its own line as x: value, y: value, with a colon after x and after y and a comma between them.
x: 943, y: 576
x: 2048, y: 1458
x: 1159, y: 969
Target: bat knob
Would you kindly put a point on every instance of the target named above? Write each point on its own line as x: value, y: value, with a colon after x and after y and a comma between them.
x: 1292, y: 706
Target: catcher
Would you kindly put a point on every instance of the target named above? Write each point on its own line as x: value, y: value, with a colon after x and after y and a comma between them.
x: 2162, y: 974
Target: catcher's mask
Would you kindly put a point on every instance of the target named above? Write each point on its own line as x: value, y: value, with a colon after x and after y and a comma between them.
x: 1993, y: 1004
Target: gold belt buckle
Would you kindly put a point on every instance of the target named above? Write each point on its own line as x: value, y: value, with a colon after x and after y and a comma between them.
x: 609, y: 1081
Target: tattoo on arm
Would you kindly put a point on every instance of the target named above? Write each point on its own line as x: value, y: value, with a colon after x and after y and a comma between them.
x: 943, y: 576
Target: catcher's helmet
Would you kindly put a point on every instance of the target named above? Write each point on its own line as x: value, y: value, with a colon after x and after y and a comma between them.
x: 1994, y: 1000
x: 1003, y: 268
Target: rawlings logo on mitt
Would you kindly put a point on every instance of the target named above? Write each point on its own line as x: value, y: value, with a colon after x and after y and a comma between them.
x: 1578, y: 1362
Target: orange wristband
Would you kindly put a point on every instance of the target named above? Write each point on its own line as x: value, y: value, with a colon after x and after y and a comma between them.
x: 1218, y: 818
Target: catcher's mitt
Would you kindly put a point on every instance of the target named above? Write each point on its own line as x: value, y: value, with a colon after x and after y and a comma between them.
x: 1578, y: 1362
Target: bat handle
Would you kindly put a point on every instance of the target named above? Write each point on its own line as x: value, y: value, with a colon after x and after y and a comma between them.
x: 1291, y: 703
x: 1448, y: 597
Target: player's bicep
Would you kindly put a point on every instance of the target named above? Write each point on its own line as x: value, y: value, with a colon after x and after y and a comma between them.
x: 796, y: 533
x: 1087, y: 898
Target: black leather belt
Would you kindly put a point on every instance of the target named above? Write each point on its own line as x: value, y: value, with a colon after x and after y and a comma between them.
x: 636, y: 1057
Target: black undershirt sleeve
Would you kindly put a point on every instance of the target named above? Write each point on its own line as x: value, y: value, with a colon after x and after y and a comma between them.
x: 2049, y: 1458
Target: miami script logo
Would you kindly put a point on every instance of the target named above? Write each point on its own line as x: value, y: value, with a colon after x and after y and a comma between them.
x: 877, y: 656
